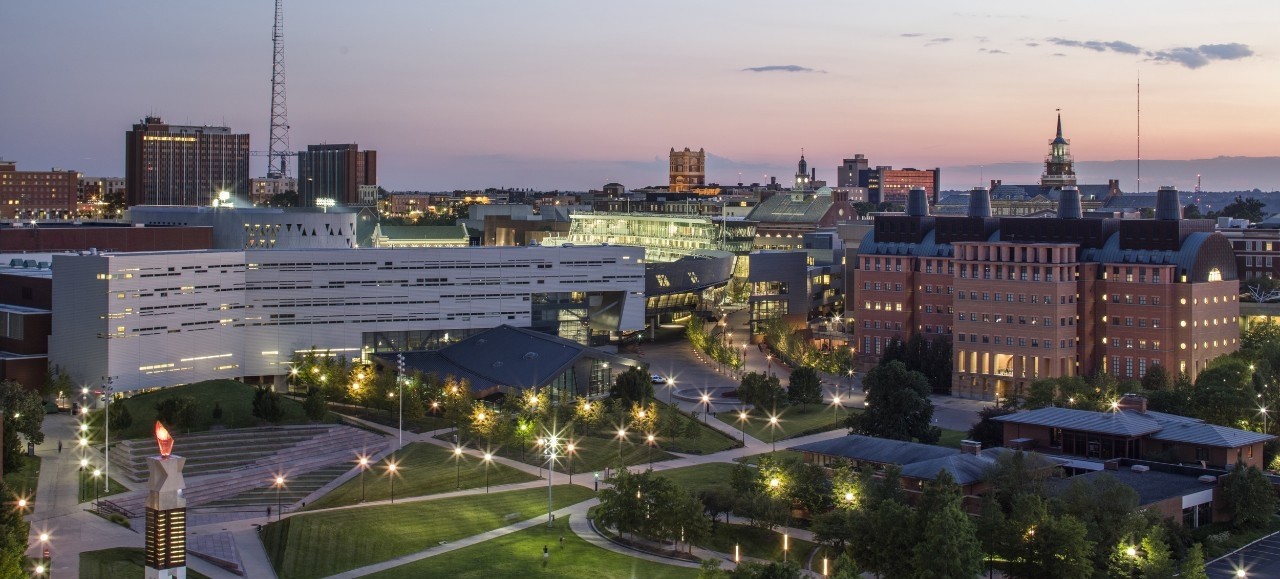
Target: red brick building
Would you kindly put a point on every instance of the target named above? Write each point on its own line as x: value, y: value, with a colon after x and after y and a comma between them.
x: 37, y: 194
x: 1027, y: 298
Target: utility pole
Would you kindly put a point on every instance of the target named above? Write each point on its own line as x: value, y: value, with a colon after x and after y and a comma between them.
x: 278, y: 144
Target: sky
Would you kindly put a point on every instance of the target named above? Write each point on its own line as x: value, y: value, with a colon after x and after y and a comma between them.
x: 571, y: 95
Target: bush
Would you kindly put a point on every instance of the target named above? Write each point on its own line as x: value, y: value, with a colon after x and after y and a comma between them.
x: 120, y: 417
x: 178, y: 412
x: 266, y: 405
x: 315, y: 405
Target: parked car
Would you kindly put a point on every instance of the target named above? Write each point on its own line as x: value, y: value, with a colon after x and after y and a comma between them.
x: 658, y: 379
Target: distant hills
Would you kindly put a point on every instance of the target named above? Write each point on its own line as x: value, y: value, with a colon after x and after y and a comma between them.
x: 1217, y: 174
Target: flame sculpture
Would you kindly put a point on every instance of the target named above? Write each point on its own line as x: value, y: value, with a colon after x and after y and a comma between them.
x: 164, y: 440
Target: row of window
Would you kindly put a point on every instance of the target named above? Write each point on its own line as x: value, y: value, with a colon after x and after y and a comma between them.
x: 1129, y: 299
x: 1128, y: 343
x: 1142, y: 322
x: 887, y: 306
x: 1019, y: 273
x: 1009, y: 341
x: 1022, y: 298
x: 1008, y: 319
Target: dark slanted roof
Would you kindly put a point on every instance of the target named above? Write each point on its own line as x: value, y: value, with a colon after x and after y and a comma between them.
x: 506, y: 356
x: 971, y: 468
x: 1115, y: 423
x: 791, y: 208
x: 1153, y: 486
x: 877, y: 450
x: 1209, y: 435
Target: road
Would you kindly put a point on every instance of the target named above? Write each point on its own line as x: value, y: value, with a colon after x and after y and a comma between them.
x: 1259, y: 559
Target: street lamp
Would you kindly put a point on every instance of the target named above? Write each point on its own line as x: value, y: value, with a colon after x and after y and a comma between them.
x: 364, y: 465
x: 651, y: 441
x: 671, y: 385
x: 569, y: 450
x: 391, y: 473
x: 96, y: 473
x: 769, y: 358
x: 1263, y: 411
x: 84, y: 464
x: 706, y: 401
x: 488, y: 457
x: 743, y: 417
x: 279, y: 484
x: 773, y: 434
x: 457, y: 465
x: 622, y: 435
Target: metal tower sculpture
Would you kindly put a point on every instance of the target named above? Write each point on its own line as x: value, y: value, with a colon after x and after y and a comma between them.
x: 278, y: 147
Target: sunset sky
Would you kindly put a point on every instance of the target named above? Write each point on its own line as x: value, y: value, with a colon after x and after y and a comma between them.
x: 570, y: 95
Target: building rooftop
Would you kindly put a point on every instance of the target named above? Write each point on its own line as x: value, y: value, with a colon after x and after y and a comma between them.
x: 422, y: 232
x: 792, y: 207
x: 1132, y: 423
x: 878, y: 450
x: 1153, y: 486
x: 971, y: 468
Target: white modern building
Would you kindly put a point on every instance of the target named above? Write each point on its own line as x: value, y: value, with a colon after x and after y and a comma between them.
x: 262, y: 227
x: 164, y: 318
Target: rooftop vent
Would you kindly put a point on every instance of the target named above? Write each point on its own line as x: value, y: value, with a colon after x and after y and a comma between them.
x: 1069, y: 203
x: 980, y: 202
x: 918, y: 202
x: 1168, y: 206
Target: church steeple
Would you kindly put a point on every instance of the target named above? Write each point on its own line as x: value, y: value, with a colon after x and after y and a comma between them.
x: 802, y: 174
x: 1059, y: 167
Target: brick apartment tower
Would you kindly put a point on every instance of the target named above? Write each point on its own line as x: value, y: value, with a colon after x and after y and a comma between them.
x: 184, y: 165
x: 335, y: 172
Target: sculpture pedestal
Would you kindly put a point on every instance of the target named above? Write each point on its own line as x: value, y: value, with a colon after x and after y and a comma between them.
x: 166, y: 522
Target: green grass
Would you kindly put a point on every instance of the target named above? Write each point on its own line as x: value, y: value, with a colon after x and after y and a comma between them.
x: 756, y: 542
x: 701, y: 477
x: 324, y: 543
x: 952, y: 438
x: 118, y: 562
x: 24, y: 480
x: 520, y: 555
x: 707, y: 441
x: 592, y: 454
x: 235, y: 399
x: 424, y: 469
x: 427, y: 423
x: 781, y: 455
x: 792, y: 421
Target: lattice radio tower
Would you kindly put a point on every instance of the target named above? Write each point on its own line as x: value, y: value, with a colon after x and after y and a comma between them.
x: 278, y: 147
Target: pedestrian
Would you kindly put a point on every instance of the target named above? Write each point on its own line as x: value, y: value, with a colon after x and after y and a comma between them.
x: 561, y: 541
x: 59, y: 447
x: 546, y: 554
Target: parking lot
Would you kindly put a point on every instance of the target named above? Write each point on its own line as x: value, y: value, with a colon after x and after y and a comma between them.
x: 1261, y: 559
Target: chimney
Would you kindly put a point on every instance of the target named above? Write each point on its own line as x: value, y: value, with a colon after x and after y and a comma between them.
x: 1168, y: 206
x: 1069, y: 203
x: 1133, y: 402
x: 813, y: 174
x: 970, y: 447
x: 996, y: 183
x: 918, y: 202
x: 980, y: 202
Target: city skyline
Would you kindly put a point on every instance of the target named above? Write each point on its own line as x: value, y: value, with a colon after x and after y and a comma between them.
x: 475, y: 95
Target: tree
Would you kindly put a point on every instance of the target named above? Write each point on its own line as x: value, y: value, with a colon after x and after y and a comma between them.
x: 1156, y: 561
x: 846, y: 568
x: 947, y: 545
x: 1157, y: 379
x: 1245, y: 208
x: 804, y: 387
x: 894, y: 350
x: 1109, y: 510
x: 1040, y: 393
x: 1248, y: 498
x: 770, y: 570
x: 710, y: 569
x: 23, y: 413
x: 987, y: 430
x: 1192, y: 211
x: 1193, y: 564
x: 937, y: 366
x: 898, y: 406
x: 1058, y: 548
x: 56, y: 382
x: 121, y: 419
x: 315, y: 405
x: 178, y: 412
x: 217, y: 412
x: 13, y: 536
x: 634, y: 385
x: 1224, y: 393
x: 761, y: 391
x: 266, y: 405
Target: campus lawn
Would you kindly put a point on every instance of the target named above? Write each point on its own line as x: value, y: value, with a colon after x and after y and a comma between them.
x: 234, y: 398
x: 24, y: 479
x: 701, y: 477
x: 593, y: 454
x: 320, y: 544
x: 424, y: 469
x: 520, y: 555
x: 793, y: 421
x: 756, y: 542
x: 118, y: 562
x: 707, y: 441
x: 780, y: 456
x: 952, y: 438
x: 426, y: 423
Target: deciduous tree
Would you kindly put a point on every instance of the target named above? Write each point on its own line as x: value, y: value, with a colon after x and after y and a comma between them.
x: 898, y: 406
x: 804, y: 387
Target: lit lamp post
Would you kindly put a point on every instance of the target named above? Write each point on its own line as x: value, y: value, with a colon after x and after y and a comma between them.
x: 1263, y: 411
x: 743, y: 417
x: 569, y: 450
x: 652, y: 442
x: 364, y: 465
x: 769, y: 359
x: 706, y: 401
x: 44, y: 551
x: 279, y: 484
x: 97, y: 472
x: 671, y: 385
x: 84, y: 464
x: 457, y: 466
x: 488, y: 457
x: 773, y: 431
x: 622, y: 435
x: 391, y: 473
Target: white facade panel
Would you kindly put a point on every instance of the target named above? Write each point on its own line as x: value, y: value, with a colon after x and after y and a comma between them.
x: 158, y: 319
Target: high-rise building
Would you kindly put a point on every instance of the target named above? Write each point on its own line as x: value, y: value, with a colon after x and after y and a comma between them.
x: 688, y: 169
x: 335, y: 172
x: 184, y: 165
x: 849, y: 173
x: 267, y: 187
x: 884, y: 184
x: 37, y: 194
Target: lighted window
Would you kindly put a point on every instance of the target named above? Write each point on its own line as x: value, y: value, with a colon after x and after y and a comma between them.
x: 1215, y: 274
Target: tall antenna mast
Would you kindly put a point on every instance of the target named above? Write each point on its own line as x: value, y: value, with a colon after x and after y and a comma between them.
x: 278, y: 146
x: 1139, y: 132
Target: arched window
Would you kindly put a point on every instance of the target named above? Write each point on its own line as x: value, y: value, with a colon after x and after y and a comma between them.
x: 1215, y: 274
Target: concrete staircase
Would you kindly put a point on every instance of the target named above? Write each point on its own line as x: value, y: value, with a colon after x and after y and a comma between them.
x: 296, y: 488
x: 215, y: 451
x: 235, y: 463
